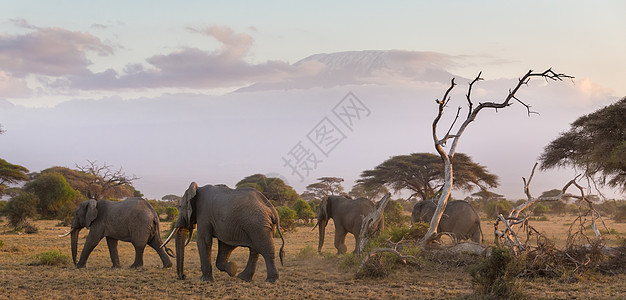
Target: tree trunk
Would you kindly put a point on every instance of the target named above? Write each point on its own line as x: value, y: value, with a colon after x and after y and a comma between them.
x: 370, y: 223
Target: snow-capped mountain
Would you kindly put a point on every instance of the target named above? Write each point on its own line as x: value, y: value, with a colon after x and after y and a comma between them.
x: 379, y: 67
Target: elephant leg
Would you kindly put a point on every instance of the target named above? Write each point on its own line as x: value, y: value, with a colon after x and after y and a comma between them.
x: 248, y: 272
x: 205, y: 242
x: 138, y: 255
x: 223, y: 253
x: 155, y: 244
x: 90, y: 244
x: 340, y: 239
x: 115, y: 259
x: 270, y: 264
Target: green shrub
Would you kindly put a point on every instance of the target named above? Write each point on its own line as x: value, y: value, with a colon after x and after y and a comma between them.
x: 307, y: 252
x: 172, y: 213
x: 493, y: 278
x: 499, y: 206
x: 1, y: 244
x: 20, y: 208
x: 378, y: 266
x: 287, y: 217
x: 52, y: 258
x: 540, y: 209
x: 394, y: 214
x: 303, y: 210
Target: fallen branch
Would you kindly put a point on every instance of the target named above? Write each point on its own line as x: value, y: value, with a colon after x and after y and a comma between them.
x: 402, y: 258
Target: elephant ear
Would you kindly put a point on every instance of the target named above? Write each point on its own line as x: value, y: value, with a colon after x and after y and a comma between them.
x: 185, y: 203
x: 92, y: 212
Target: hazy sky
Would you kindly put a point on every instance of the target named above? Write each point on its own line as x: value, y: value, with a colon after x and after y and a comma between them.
x: 58, y: 51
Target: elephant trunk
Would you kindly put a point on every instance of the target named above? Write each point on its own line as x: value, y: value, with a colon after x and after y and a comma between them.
x: 180, y: 252
x: 322, y: 230
x: 74, y: 238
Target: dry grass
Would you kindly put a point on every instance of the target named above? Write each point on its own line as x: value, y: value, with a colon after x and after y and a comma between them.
x: 304, y: 275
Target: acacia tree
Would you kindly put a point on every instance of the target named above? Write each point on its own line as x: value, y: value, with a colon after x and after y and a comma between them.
x: 273, y: 188
x: 11, y: 174
x: 454, y: 138
x: 423, y: 174
x: 595, y: 143
x: 325, y: 187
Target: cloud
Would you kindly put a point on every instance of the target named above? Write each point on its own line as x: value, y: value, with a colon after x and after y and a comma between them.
x: 195, y: 68
x: 12, y: 87
x: 48, y: 51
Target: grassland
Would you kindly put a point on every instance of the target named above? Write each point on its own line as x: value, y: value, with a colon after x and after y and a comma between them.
x: 305, y: 275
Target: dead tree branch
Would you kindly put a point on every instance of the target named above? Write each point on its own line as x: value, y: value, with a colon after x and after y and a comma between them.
x: 472, y: 113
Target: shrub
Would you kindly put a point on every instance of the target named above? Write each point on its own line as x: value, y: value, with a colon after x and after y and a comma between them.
x: 20, y: 208
x: 307, y: 252
x: 287, y: 217
x: 172, y: 213
x: 394, y: 215
x: 540, y: 209
x: 52, y: 258
x: 493, y: 278
x: 499, y: 206
x: 303, y: 210
x: 1, y: 244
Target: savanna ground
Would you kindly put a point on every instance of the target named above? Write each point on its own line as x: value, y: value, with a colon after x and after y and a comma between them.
x: 305, y: 274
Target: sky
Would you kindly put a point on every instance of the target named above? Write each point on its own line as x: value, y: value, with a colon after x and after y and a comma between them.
x: 213, y: 91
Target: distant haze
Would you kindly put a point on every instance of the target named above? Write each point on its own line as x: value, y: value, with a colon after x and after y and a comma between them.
x: 173, y: 139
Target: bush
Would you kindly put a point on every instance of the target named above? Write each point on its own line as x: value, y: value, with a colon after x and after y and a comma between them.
x: 20, y: 208
x: 493, y: 278
x: 1, y: 244
x: 53, y: 192
x: 500, y: 206
x: 172, y: 213
x: 52, y: 258
x: 394, y: 214
x: 303, y: 210
x: 540, y: 209
x: 287, y: 217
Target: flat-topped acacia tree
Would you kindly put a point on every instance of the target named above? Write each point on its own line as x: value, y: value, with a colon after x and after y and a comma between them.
x: 454, y: 138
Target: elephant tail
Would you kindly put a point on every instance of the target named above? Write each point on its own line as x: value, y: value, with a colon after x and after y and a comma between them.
x: 281, y: 252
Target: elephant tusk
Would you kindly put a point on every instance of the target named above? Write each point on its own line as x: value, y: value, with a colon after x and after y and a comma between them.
x: 316, y: 223
x: 66, y: 233
x: 169, y: 237
x: 189, y: 237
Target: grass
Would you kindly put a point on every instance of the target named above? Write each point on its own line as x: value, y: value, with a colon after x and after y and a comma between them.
x: 306, y: 274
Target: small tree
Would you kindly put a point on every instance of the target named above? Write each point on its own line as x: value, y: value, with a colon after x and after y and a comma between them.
x: 287, y: 217
x: 172, y: 213
x: 55, y: 195
x: 303, y: 211
x: 275, y: 189
x: 21, y: 207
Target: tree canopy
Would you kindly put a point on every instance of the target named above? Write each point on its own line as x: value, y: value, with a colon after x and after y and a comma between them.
x: 595, y: 143
x: 11, y: 174
x: 272, y: 187
x: 423, y: 174
x: 97, y: 182
x: 325, y: 187
x: 56, y: 196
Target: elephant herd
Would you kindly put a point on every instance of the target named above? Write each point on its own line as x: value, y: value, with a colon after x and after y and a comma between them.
x: 237, y: 218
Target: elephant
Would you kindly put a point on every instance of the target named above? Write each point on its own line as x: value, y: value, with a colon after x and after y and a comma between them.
x: 237, y: 218
x: 347, y: 215
x: 132, y: 220
x: 459, y: 218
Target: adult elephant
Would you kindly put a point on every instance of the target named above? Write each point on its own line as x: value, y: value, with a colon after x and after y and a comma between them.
x: 348, y: 215
x: 459, y: 218
x: 132, y: 220
x: 241, y: 217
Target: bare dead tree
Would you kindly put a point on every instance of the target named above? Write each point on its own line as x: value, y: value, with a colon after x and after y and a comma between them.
x: 514, y: 224
x: 103, y: 180
x: 370, y: 222
x: 472, y: 113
